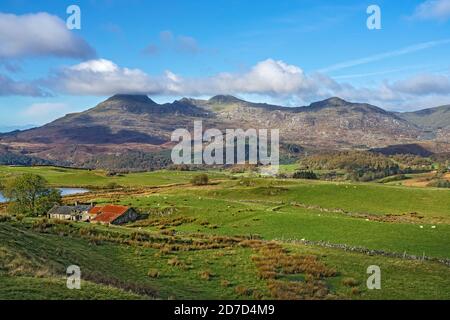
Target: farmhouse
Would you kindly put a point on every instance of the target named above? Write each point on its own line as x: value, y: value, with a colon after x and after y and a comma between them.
x: 74, y: 213
x: 112, y: 214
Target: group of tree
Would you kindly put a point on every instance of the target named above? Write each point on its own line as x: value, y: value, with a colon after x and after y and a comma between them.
x: 305, y: 175
x: 440, y: 183
x: 365, y: 165
x: 29, y: 195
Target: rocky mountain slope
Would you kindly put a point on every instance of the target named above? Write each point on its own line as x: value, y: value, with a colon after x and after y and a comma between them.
x: 435, y: 121
x: 131, y: 123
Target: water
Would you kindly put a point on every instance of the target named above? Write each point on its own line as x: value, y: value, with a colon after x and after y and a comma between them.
x: 64, y: 192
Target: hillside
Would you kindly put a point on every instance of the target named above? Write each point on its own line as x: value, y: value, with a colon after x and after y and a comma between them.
x: 435, y: 121
x: 134, y: 126
x: 433, y: 118
x: 237, y: 238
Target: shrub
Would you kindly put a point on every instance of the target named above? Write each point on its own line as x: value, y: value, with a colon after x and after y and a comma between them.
x: 355, y: 291
x: 113, y: 185
x: 439, y: 184
x: 350, y: 282
x: 205, y: 275
x: 4, y: 218
x: 153, y: 273
x: 225, y: 283
x: 398, y: 177
x: 247, y: 182
x: 179, y: 167
x: 200, y: 180
x: 243, y: 291
x: 175, y: 262
x: 305, y: 175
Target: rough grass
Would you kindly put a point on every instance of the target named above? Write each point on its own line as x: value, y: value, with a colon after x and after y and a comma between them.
x: 241, y: 269
x: 274, y: 220
x: 214, y: 242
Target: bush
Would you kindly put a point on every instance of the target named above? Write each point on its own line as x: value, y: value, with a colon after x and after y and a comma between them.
x: 174, y: 262
x: 153, y: 273
x: 113, y: 185
x: 247, y: 182
x: 4, y: 218
x: 205, y: 275
x: 179, y: 167
x: 398, y: 177
x: 225, y: 283
x: 350, y: 282
x: 200, y: 180
x: 439, y: 184
x: 305, y: 175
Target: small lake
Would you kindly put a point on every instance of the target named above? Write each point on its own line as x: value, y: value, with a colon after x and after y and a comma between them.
x: 64, y: 192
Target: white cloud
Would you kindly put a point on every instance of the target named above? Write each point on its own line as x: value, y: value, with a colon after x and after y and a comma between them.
x: 270, y: 78
x: 39, y: 34
x: 96, y: 66
x: 103, y: 77
x: 38, y: 113
x: 424, y: 84
x: 433, y: 10
x: 385, y: 55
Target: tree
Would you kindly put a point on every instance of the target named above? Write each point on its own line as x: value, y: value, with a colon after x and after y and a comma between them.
x: 29, y: 194
x: 305, y: 175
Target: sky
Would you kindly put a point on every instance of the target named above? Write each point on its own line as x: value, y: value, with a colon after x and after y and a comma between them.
x: 287, y: 52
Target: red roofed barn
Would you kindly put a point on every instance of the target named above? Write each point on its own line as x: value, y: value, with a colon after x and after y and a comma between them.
x: 112, y: 214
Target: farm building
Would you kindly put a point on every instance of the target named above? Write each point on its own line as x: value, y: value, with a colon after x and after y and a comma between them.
x: 112, y: 214
x: 74, y: 213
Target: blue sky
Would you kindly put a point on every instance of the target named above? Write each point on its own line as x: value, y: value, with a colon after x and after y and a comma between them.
x: 287, y: 52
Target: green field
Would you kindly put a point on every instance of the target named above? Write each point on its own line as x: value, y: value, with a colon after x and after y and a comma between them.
x: 66, y: 177
x: 207, y: 242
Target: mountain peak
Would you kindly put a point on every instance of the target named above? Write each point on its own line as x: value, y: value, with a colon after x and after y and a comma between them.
x: 224, y: 99
x: 335, y: 101
x: 131, y: 98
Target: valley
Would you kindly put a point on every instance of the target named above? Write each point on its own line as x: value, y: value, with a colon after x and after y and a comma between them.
x: 204, y: 242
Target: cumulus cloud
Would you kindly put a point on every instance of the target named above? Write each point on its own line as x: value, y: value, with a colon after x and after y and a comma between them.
x: 39, y: 34
x: 44, y: 112
x: 433, y: 10
x: 269, y: 78
x: 103, y: 77
x: 10, y: 87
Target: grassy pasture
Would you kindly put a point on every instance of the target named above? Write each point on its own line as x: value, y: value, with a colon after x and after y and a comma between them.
x: 272, y: 221
x: 232, y: 206
x: 66, y: 177
x: 230, y: 272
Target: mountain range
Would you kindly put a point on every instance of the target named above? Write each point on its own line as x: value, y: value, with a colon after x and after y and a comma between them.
x: 131, y: 124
